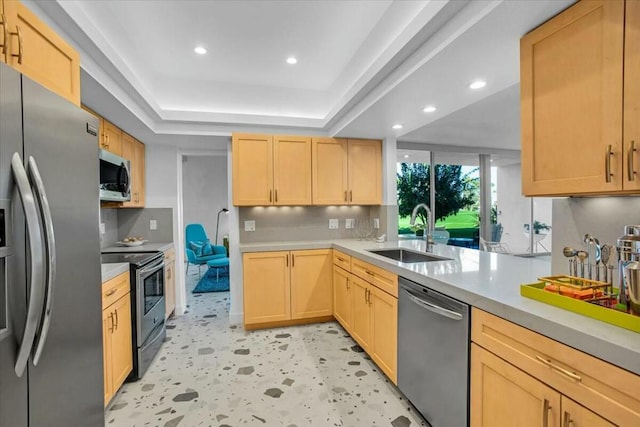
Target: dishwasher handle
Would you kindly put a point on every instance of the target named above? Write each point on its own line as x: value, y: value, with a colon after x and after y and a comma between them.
x: 433, y: 307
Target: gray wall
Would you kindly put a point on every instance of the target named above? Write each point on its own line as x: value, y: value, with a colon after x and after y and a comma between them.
x: 293, y: 223
x: 120, y: 223
x: 204, y: 184
x: 603, y: 217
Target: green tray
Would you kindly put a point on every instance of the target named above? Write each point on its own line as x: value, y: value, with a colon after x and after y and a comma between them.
x: 619, y: 318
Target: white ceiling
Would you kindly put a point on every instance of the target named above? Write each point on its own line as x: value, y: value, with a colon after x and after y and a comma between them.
x: 362, y: 66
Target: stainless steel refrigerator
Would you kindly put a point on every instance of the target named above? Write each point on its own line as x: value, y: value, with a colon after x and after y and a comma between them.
x: 51, y: 372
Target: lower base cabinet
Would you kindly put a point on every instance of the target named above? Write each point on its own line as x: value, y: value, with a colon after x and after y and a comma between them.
x: 286, y: 286
x: 521, y: 378
x: 169, y: 281
x: 116, y: 334
x: 370, y: 316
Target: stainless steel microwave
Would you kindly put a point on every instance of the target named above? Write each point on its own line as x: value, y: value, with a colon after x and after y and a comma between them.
x: 115, y: 182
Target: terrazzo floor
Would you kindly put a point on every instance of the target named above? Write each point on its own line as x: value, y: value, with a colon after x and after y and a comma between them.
x: 211, y: 374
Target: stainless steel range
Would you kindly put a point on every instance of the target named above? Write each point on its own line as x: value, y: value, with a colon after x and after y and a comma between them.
x: 148, y: 306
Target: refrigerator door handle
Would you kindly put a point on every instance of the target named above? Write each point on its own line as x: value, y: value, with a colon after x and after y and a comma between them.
x: 36, y: 292
x: 50, y: 245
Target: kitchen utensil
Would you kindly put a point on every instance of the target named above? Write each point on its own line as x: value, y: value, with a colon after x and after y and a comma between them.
x: 593, y: 252
x: 605, y: 254
x: 571, y: 253
x: 631, y: 273
x: 582, y: 255
x: 628, y: 249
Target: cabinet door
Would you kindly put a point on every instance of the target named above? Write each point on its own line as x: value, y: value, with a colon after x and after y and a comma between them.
x: 503, y: 395
x: 6, y: 10
x: 39, y: 53
x: 266, y: 287
x: 140, y: 153
x: 107, y: 331
x: 252, y: 169
x: 291, y: 170
x: 330, y: 171
x: 342, y: 298
x: 311, y: 290
x: 631, y: 131
x: 571, y: 97
x: 112, y: 138
x: 365, y: 172
x: 574, y: 415
x: 384, y: 332
x: 134, y: 151
x: 169, y: 287
x: 361, y: 324
x: 121, y: 351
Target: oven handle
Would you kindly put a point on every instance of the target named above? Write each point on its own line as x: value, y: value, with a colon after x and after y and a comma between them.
x: 147, y: 271
x: 433, y: 307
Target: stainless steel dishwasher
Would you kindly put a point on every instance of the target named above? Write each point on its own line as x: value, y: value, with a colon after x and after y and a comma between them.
x: 433, y: 354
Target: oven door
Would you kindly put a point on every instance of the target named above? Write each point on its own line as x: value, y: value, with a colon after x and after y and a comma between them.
x: 151, y: 305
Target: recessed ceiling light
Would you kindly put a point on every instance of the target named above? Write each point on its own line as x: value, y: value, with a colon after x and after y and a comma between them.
x: 200, y: 50
x: 291, y: 60
x: 406, y: 156
x: 397, y: 126
x: 429, y: 109
x: 478, y: 84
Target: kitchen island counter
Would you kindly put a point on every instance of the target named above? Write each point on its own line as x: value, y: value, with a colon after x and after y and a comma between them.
x: 491, y: 282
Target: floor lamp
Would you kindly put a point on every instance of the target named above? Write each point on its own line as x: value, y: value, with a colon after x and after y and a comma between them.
x: 225, y: 210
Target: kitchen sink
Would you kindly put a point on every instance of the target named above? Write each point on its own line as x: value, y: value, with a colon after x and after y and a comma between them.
x: 407, y: 256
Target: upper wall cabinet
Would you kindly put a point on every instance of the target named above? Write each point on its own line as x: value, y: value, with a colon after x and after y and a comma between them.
x: 578, y: 135
x: 347, y: 171
x: 134, y: 151
x: 271, y: 170
x: 32, y: 48
x: 111, y: 138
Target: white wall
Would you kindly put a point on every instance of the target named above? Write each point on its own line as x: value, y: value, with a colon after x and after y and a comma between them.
x: 162, y: 191
x: 514, y: 210
x: 205, y: 193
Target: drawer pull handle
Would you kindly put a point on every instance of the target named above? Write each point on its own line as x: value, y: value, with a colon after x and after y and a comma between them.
x: 607, y: 164
x: 630, y: 170
x: 111, y: 292
x: 545, y: 413
x: 369, y: 272
x: 559, y: 369
x: 340, y: 259
x: 567, y: 421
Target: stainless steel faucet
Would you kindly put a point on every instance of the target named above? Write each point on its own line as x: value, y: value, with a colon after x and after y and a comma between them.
x: 414, y: 214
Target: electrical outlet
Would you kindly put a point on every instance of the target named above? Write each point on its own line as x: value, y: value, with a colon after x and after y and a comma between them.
x: 376, y: 223
x: 250, y: 226
x: 153, y: 224
x: 102, y: 229
x: 350, y: 223
x: 333, y: 224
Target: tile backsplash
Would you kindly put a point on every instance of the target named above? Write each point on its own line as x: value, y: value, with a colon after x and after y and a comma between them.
x: 120, y: 223
x: 602, y: 217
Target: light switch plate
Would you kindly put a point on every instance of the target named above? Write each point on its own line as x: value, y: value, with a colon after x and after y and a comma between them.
x: 153, y: 224
x: 350, y: 223
x: 102, y: 230
x: 250, y: 226
x: 333, y: 224
x: 376, y: 223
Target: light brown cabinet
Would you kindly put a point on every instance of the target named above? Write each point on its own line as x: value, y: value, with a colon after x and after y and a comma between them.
x: 580, y: 101
x: 110, y: 137
x: 116, y: 333
x: 134, y: 151
x: 347, y: 171
x: 271, y: 170
x: 34, y: 49
x: 516, y: 370
x: 368, y: 311
x: 286, y: 286
x: 170, y: 281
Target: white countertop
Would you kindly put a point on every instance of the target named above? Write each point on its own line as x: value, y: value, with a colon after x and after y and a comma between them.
x: 491, y: 282
x: 147, y: 247
x: 111, y: 270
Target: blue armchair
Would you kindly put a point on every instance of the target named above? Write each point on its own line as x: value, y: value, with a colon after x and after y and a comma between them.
x: 196, y: 233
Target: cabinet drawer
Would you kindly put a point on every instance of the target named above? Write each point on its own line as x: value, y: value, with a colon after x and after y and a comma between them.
x: 169, y: 254
x: 605, y: 389
x: 342, y: 260
x: 377, y: 276
x: 114, y: 289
